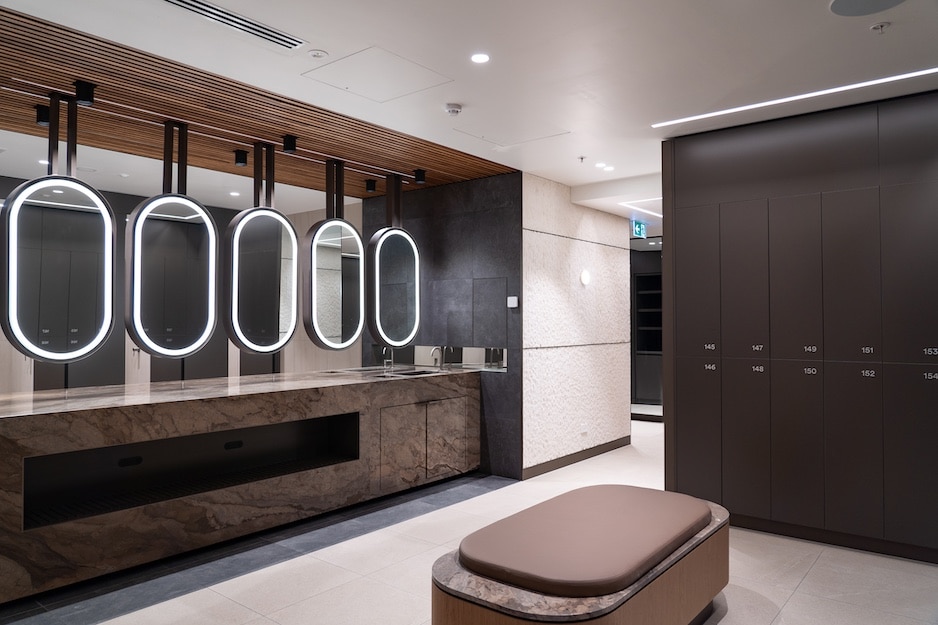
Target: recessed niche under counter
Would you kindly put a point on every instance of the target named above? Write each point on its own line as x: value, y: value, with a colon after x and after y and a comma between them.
x: 80, y: 484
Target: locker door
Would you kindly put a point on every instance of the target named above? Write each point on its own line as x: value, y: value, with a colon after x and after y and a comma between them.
x: 798, y: 442
x: 910, y: 431
x: 853, y: 448
x: 795, y: 290
x: 697, y: 422
x: 910, y: 273
x: 746, y: 437
x: 852, y: 297
x: 744, y: 289
x: 697, y: 276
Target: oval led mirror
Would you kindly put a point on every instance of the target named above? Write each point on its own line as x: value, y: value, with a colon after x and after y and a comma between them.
x: 334, y: 297
x: 171, y: 255
x: 394, y: 287
x: 59, y: 257
x: 260, y: 273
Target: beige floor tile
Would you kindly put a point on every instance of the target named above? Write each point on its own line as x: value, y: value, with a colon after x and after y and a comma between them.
x: 205, y: 607
x: 275, y: 587
x: 373, y: 552
x: 360, y: 602
x: 804, y: 609
x: 891, y: 585
x: 413, y: 575
x: 441, y: 526
x: 771, y: 559
x: 745, y: 602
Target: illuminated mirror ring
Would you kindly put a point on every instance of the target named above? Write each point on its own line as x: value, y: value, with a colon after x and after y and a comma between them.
x: 74, y: 198
x: 395, y: 265
x: 285, y: 280
x: 181, y: 210
x: 334, y: 284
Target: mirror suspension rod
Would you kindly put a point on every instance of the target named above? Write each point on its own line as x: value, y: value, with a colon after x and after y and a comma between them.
x: 258, y: 172
x: 269, y: 182
x: 71, y: 134
x: 335, y: 189
x: 264, y: 162
x: 169, y: 128
x: 53, y: 156
x: 394, y: 199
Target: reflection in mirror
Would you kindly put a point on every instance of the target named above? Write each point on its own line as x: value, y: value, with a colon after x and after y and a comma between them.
x: 261, y: 263
x: 59, y: 256
x: 334, y: 311
x: 171, y: 252
x: 394, y: 288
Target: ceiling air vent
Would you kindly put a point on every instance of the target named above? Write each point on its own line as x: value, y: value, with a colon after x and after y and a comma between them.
x: 243, y: 24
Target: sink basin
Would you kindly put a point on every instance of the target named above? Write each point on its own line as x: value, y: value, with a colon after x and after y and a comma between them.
x: 415, y: 372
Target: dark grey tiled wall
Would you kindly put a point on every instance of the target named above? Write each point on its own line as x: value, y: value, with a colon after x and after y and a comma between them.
x: 469, y: 237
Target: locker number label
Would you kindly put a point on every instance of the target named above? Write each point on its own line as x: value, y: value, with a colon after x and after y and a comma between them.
x: 710, y: 347
x: 758, y: 347
x: 868, y: 373
x: 810, y: 370
x: 710, y: 366
x: 867, y: 349
x: 758, y: 368
x: 931, y: 375
x: 930, y: 351
x: 810, y: 349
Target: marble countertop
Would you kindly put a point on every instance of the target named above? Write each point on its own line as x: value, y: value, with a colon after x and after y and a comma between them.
x: 69, y: 400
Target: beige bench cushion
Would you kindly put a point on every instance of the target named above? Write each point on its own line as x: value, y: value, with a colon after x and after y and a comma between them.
x: 587, y: 542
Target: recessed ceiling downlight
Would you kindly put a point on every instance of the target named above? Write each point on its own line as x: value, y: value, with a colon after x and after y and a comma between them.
x: 858, y: 8
x: 480, y: 57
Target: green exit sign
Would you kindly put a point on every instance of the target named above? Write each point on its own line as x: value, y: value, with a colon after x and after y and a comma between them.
x: 638, y: 229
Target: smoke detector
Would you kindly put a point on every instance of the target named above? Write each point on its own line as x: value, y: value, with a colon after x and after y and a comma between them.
x: 452, y: 109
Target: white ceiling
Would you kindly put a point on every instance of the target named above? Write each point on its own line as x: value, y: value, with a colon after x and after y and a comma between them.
x: 569, y: 83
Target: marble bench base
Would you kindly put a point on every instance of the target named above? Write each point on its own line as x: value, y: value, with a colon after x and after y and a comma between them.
x: 678, y: 591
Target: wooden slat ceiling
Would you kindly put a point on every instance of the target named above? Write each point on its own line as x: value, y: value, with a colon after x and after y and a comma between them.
x: 137, y: 93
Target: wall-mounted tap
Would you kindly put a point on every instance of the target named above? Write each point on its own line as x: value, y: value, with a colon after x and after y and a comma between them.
x: 387, y: 354
x: 434, y: 351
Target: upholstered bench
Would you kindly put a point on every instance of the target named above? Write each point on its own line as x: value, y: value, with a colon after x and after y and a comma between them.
x: 608, y: 554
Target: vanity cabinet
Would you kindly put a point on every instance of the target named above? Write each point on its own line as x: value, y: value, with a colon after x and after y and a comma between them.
x: 98, y: 482
x: 422, y: 442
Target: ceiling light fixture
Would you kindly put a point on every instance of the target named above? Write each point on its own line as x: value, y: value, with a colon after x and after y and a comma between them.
x: 234, y: 193
x: 84, y: 92
x: 480, y: 57
x: 42, y: 114
x: 371, y: 185
x: 600, y: 165
x: 803, y: 96
x: 608, y: 168
x: 289, y: 144
x: 241, y: 158
x: 859, y: 8
x: 420, y: 176
x: 631, y: 204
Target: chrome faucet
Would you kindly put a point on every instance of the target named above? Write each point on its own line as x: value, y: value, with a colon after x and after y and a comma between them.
x: 433, y: 351
x: 387, y: 354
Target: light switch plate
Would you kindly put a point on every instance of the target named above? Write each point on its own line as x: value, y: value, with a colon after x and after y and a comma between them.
x: 512, y: 301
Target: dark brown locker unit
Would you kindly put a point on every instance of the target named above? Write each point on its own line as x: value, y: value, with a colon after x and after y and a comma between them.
x: 797, y: 434
x: 698, y: 414
x: 795, y: 289
x: 744, y: 290
x: 910, y: 435
x: 853, y: 448
x: 746, y: 436
x: 852, y: 283
x: 910, y: 272
x: 697, y: 275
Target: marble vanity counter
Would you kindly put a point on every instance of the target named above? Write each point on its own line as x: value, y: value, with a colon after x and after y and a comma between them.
x: 44, y: 402
x: 100, y: 479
